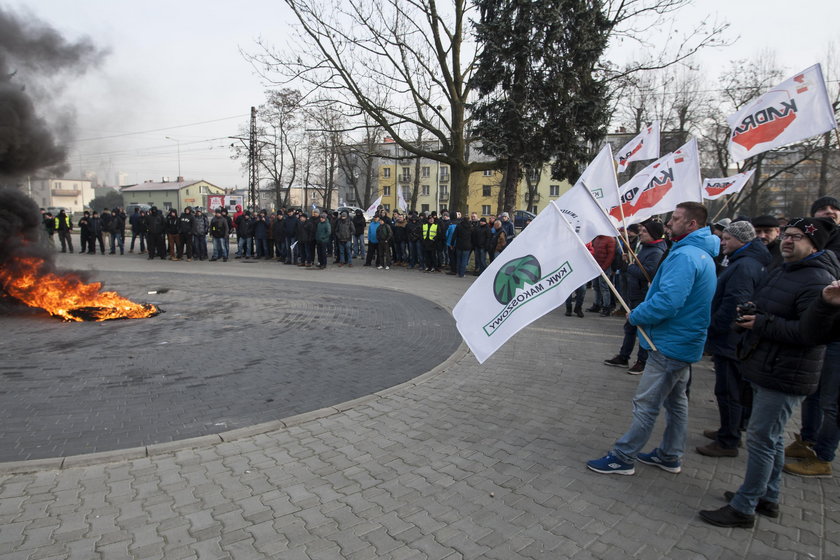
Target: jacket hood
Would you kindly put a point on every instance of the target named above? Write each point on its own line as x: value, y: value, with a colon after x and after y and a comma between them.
x: 754, y: 249
x: 704, y: 239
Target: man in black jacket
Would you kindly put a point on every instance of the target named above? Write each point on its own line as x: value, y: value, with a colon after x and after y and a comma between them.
x: 782, y: 366
x: 748, y: 259
x: 155, y: 225
x: 816, y: 444
x: 185, y: 233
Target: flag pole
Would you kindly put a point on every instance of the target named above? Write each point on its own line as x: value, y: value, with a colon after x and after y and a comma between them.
x: 627, y: 309
x: 722, y: 208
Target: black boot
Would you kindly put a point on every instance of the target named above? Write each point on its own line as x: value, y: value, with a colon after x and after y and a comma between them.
x: 579, y: 311
x: 568, y: 311
x: 727, y: 516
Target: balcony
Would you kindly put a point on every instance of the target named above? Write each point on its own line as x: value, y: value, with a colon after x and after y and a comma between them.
x: 405, y: 178
x: 66, y: 192
x: 443, y: 197
x: 444, y: 178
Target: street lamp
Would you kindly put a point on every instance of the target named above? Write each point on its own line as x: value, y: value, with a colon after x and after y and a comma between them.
x: 179, y: 152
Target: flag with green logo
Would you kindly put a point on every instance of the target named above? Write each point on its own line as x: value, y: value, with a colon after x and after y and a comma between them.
x: 533, y: 275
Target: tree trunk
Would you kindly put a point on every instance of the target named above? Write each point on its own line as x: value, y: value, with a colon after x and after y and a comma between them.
x: 513, y: 169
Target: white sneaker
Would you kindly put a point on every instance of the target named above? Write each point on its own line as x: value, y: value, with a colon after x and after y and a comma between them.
x: 378, y: 268
x: 387, y: 268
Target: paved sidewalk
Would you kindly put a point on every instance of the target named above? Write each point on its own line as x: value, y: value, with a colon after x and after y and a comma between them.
x: 468, y: 461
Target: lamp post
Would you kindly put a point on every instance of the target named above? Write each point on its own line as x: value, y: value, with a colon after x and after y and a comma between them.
x: 178, y: 142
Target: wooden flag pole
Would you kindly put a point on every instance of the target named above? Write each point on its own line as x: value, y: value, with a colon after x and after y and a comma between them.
x: 722, y: 208
x: 627, y: 309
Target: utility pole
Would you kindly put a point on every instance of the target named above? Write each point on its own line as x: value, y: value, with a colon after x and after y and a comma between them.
x: 252, y: 161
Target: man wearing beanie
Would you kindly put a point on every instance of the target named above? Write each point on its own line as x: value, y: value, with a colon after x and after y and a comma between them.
x: 816, y: 444
x: 747, y: 261
x: 781, y: 365
x: 767, y: 230
x: 653, y: 248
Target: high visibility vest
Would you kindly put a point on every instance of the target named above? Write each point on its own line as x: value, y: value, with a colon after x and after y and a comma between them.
x: 58, y: 222
x: 430, y: 231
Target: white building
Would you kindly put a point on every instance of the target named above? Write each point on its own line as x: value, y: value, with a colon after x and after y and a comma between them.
x: 72, y: 194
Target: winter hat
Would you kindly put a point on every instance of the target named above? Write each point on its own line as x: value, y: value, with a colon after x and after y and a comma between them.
x: 818, y: 230
x: 505, y: 215
x: 654, y: 228
x: 743, y: 231
x: 824, y: 201
x: 721, y: 225
x: 765, y: 221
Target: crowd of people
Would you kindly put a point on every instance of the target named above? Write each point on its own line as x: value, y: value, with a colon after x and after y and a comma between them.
x: 430, y: 242
x: 760, y: 296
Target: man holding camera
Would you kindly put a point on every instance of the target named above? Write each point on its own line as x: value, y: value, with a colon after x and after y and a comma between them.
x: 782, y: 365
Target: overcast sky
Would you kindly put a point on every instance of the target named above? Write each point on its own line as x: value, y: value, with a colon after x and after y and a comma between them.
x: 175, y: 64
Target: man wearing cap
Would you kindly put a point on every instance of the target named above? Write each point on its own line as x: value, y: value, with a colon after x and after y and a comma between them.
x: 816, y: 444
x: 653, y: 249
x: 767, y: 231
x: 780, y: 363
x: 748, y: 258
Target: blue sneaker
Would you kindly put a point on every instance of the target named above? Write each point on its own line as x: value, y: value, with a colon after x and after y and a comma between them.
x: 655, y: 460
x: 610, y: 464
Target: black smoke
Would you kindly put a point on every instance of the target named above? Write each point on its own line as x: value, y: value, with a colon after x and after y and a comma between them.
x: 32, y: 53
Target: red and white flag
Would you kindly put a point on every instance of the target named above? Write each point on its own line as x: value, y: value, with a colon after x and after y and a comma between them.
x: 599, y: 178
x: 718, y: 187
x: 660, y: 186
x: 644, y: 146
x: 796, y: 109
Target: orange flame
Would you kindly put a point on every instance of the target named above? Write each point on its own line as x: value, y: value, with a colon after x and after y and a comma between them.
x: 67, y: 296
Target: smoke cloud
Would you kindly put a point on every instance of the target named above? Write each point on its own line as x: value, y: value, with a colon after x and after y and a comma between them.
x: 32, y: 52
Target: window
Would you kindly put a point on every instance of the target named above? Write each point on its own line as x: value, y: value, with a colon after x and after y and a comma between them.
x: 554, y: 190
x: 203, y: 190
x: 424, y: 190
x: 386, y: 171
x: 188, y: 191
x: 387, y: 207
x: 444, y: 173
x: 488, y: 172
x: 57, y: 185
x: 534, y: 209
x: 425, y: 171
x: 444, y: 190
x: 406, y: 174
x: 486, y: 190
x: 406, y: 193
x: 424, y: 207
x: 485, y: 209
x: 386, y: 191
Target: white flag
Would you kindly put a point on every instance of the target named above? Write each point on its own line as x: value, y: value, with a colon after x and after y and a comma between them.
x: 401, y: 203
x: 584, y: 214
x: 535, y: 274
x: 660, y: 186
x: 718, y: 187
x: 372, y: 208
x: 644, y: 146
x: 796, y: 109
x: 599, y: 177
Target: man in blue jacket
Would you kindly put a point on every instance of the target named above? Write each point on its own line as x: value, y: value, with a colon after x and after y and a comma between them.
x: 675, y: 315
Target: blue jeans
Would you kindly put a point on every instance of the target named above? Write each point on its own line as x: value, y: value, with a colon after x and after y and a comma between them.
x: 291, y: 253
x: 359, y: 245
x: 663, y: 384
x: 766, y: 448
x: 463, y: 259
x: 117, y: 239
x: 345, y: 252
x: 415, y: 254
x: 262, y: 247
x: 134, y: 236
x: 605, y: 299
x: 480, y: 259
x: 244, y: 247
x: 220, y: 249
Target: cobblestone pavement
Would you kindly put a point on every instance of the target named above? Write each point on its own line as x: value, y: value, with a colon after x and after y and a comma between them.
x: 468, y: 461
x: 222, y: 356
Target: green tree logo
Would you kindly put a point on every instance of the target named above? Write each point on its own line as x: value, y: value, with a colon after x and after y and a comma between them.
x: 514, y: 275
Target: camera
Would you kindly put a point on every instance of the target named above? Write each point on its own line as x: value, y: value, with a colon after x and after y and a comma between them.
x: 748, y: 308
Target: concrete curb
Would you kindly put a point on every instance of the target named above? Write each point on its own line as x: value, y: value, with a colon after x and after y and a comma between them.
x: 209, y: 440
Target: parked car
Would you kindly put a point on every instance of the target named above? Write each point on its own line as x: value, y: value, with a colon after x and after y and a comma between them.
x: 520, y: 216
